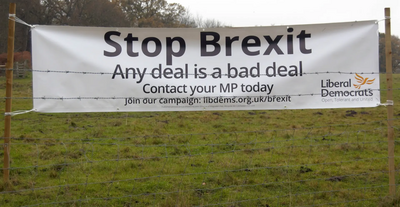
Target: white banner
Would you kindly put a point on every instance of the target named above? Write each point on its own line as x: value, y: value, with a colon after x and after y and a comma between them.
x: 94, y: 69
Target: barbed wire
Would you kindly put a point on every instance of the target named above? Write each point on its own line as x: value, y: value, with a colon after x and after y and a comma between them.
x: 156, y: 116
x: 188, y: 74
x: 178, y: 97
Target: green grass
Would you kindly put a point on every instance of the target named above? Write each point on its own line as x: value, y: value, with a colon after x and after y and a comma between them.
x: 316, y: 157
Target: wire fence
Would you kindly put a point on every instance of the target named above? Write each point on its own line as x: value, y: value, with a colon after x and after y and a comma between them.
x: 321, y: 157
x: 98, y: 160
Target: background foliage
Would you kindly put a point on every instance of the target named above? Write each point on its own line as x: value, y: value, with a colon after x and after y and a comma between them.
x: 101, y: 13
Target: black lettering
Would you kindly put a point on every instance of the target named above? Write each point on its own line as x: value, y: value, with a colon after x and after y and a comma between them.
x: 246, y: 44
x: 118, y: 71
x: 107, y: 38
x: 214, y: 42
x: 302, y: 37
x: 129, y: 45
x: 290, y: 41
x: 145, y: 45
x: 228, y: 43
x: 170, y: 52
x: 273, y: 45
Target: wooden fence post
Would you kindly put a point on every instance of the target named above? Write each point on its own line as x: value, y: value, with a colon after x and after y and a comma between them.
x: 389, y: 81
x: 9, y: 82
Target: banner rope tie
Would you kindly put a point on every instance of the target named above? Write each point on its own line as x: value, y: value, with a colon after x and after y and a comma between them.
x: 18, y: 20
x: 388, y: 103
x: 18, y: 112
x: 386, y: 17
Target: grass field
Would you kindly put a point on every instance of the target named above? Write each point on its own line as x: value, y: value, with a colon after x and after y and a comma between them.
x: 324, y: 157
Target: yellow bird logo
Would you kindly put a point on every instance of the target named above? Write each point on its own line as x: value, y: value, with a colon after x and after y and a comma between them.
x: 362, y: 81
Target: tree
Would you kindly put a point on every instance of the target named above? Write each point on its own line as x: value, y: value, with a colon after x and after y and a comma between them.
x: 3, y: 25
x: 152, y: 13
x: 208, y: 23
x: 198, y: 21
x: 85, y: 13
x: 59, y: 12
x: 395, y: 53
x: 104, y: 13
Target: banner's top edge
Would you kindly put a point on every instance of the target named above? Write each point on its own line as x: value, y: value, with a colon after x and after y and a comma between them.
x: 288, y: 25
